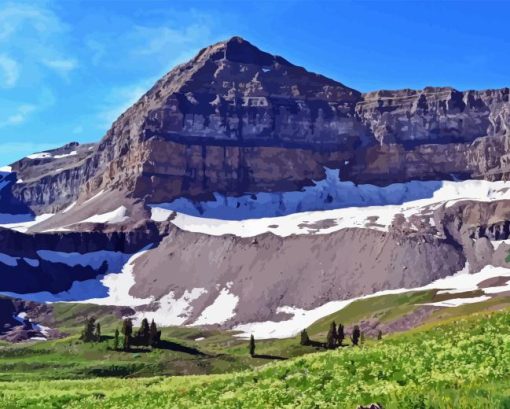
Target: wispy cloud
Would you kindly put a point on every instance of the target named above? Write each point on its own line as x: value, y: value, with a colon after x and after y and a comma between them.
x: 62, y: 66
x: 10, y: 71
x: 165, y: 39
x: 120, y: 99
x: 19, y: 116
x: 34, y: 34
x: 159, y: 46
x: 12, y: 114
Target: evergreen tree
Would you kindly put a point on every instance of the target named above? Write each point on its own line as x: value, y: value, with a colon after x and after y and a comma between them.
x: 379, y: 335
x: 340, y: 334
x: 87, y: 334
x: 97, y: 335
x: 305, y: 339
x: 154, y: 335
x: 144, y: 333
x: 252, y: 346
x: 127, y: 330
x: 116, y: 340
x: 332, y: 336
x: 356, y: 334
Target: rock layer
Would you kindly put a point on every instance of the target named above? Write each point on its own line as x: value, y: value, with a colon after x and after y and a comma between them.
x: 235, y: 119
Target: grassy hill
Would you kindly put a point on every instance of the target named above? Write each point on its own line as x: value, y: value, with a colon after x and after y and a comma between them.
x: 460, y: 363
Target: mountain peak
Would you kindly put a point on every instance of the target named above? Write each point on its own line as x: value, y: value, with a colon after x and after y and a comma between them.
x: 237, y: 49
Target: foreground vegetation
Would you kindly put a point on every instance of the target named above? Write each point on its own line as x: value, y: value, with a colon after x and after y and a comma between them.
x: 463, y: 363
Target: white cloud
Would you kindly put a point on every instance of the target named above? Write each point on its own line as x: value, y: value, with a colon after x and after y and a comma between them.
x: 12, y: 114
x: 155, y: 40
x: 15, y: 18
x: 10, y: 71
x: 62, y: 66
x: 35, y: 35
x: 120, y: 99
x: 19, y: 116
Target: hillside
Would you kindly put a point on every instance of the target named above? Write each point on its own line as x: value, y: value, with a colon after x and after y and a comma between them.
x: 451, y: 364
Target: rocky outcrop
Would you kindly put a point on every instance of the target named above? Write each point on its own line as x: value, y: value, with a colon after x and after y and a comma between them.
x: 236, y: 119
x: 31, y: 263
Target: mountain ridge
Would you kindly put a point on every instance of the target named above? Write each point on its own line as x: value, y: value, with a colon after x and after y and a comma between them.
x: 238, y: 128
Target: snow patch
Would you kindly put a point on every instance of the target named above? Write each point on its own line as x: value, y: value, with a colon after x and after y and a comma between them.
x: 455, y: 302
x: 340, y: 204
x: 65, y: 155
x: 118, y: 285
x: 8, y: 260
x: 5, y: 169
x: 31, y: 261
x: 22, y: 222
x: 69, y: 207
x: 13, y: 261
x: 39, y: 155
x: 23, y: 319
x: 115, y: 216
x: 100, y: 193
x: 458, y: 283
x: 497, y: 243
x: 109, y: 289
x: 221, y: 310
x: 171, y: 311
x: 114, y: 260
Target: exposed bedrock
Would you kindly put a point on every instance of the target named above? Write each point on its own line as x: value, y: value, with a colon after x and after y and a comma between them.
x: 41, y: 262
x: 236, y: 119
x: 474, y: 226
x: 304, y: 271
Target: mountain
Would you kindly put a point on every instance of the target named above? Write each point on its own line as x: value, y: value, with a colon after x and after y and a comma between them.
x: 242, y: 189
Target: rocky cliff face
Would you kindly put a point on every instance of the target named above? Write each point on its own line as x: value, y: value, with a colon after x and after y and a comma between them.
x: 237, y: 120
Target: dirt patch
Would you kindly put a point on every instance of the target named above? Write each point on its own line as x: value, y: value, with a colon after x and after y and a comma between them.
x: 493, y: 282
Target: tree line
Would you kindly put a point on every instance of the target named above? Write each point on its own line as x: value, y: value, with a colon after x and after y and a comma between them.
x: 146, y: 335
x: 334, y: 338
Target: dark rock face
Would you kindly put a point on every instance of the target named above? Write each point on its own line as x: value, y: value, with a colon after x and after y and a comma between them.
x: 237, y: 119
x: 28, y: 272
x: 49, y: 181
x: 434, y: 115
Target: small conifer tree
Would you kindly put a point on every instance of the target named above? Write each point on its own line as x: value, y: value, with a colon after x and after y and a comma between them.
x: 340, y: 334
x: 87, y: 334
x: 97, y: 335
x: 305, y: 339
x: 379, y: 335
x: 144, y: 333
x: 252, y: 346
x: 116, y: 340
x: 127, y: 331
x: 356, y: 334
x: 332, y: 336
x: 154, y: 335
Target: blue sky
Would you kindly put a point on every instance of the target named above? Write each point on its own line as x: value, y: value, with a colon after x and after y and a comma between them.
x: 69, y: 68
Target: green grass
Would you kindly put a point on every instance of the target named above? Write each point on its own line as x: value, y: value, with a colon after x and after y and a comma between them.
x: 464, y: 363
x: 384, y: 308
